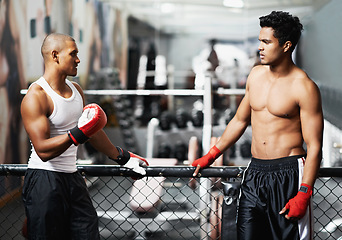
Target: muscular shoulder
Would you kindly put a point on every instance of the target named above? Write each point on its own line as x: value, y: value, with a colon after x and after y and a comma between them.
x: 36, y: 92
x: 79, y: 89
x: 259, y: 70
x: 302, y: 82
x: 304, y: 88
x: 257, y: 75
x: 36, y: 99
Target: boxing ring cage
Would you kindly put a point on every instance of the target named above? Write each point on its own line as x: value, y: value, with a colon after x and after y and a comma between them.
x: 168, y: 202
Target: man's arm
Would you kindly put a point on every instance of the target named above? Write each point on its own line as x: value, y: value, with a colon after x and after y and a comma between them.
x: 34, y: 111
x: 101, y: 143
x: 234, y: 130
x: 311, y: 117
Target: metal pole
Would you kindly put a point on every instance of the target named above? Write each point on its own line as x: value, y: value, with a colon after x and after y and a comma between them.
x: 151, y: 128
x: 167, y: 92
x: 206, y: 136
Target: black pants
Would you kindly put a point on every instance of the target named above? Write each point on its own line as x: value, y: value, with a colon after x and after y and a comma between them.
x: 58, y: 206
x: 266, y: 188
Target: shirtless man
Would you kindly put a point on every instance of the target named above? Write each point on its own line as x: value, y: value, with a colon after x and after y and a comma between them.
x: 56, y: 199
x: 283, y: 106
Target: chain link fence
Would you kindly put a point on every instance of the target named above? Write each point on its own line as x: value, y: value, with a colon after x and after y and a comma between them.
x: 168, y: 203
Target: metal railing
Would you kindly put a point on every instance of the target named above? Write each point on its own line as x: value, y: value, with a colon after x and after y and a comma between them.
x: 168, y: 203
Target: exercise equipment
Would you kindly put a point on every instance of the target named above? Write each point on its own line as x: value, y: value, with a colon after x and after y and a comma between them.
x: 145, y: 193
x: 245, y: 149
x: 180, y: 151
x: 166, y: 120
x: 124, y: 114
x: 232, y: 151
x: 193, y: 152
x: 182, y: 118
x: 164, y: 150
x: 145, y: 216
x: 197, y: 118
x: 215, y: 226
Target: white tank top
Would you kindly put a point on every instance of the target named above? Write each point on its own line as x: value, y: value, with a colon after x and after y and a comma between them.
x: 66, y: 112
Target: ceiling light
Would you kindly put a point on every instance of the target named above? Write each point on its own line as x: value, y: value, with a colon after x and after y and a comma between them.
x: 233, y: 3
x: 168, y: 8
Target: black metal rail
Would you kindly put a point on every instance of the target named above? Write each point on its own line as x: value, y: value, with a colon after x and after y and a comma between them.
x: 177, y: 171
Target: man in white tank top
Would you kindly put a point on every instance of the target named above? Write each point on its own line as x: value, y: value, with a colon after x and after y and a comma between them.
x: 55, y: 196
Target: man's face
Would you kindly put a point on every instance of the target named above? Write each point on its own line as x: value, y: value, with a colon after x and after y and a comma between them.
x: 69, y: 59
x: 270, y: 50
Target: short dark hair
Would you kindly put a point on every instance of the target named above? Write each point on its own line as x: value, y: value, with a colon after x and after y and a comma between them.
x: 286, y: 27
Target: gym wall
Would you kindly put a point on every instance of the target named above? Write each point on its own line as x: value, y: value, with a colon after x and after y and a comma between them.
x: 102, y: 37
x: 321, y: 58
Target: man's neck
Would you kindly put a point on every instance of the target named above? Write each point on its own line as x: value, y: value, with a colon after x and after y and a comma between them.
x: 283, y: 68
x: 56, y: 82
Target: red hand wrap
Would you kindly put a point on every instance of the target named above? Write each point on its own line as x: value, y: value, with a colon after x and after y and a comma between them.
x: 208, y: 159
x: 297, y: 205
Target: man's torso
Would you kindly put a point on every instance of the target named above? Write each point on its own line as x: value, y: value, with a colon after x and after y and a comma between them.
x: 62, y: 114
x: 275, y: 114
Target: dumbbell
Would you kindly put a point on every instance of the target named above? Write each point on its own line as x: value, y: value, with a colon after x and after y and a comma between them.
x: 245, y: 149
x: 232, y: 151
x: 182, y: 118
x: 180, y: 151
x: 197, y: 118
x: 165, y: 120
x: 164, y: 151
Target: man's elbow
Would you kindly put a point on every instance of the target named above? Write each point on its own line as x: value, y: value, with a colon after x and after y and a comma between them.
x: 44, y: 156
x: 315, y: 149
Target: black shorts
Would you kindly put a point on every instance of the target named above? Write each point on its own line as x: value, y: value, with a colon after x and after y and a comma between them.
x: 58, y: 206
x: 266, y: 188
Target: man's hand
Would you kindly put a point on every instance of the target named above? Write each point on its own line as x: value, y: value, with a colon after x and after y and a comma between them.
x: 92, y: 120
x: 131, y: 161
x: 296, y: 206
x: 136, y: 163
x: 206, y: 160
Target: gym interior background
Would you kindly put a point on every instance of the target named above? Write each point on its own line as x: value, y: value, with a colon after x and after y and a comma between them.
x: 161, y: 45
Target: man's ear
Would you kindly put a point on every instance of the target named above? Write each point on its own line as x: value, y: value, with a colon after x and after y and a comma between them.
x: 54, y: 54
x: 287, y: 46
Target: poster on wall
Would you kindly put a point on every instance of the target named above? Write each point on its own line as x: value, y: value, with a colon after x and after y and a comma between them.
x: 23, y: 27
x: 12, y: 80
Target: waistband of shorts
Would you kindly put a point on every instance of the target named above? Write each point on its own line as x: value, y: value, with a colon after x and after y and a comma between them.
x: 290, y: 162
x: 50, y: 171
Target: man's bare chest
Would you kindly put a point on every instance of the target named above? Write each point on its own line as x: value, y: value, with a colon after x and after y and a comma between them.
x: 277, y: 99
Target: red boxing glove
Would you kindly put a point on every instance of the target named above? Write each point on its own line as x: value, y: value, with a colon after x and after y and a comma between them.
x: 208, y: 159
x: 92, y: 120
x: 297, y: 205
